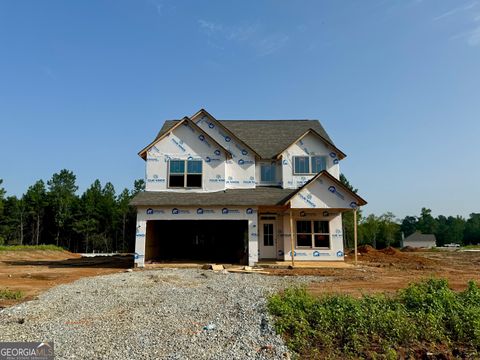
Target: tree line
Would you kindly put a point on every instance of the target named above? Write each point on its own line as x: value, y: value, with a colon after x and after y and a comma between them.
x: 101, y: 220
x: 386, y: 230
x: 98, y: 220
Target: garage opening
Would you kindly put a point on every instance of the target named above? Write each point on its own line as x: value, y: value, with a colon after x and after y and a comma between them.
x: 220, y: 241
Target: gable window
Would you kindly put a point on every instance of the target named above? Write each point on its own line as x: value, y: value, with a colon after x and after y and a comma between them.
x: 306, y: 165
x: 267, y: 173
x: 185, y: 174
x: 302, y: 164
x: 313, y: 234
x: 319, y: 163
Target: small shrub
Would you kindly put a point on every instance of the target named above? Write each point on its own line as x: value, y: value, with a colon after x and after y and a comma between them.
x: 425, y: 315
x: 10, y: 294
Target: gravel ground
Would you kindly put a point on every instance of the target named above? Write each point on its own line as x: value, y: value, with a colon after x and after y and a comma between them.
x: 156, y: 314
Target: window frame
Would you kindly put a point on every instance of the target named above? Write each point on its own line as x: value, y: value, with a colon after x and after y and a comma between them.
x: 274, y: 168
x: 185, y: 174
x: 271, y: 235
x: 310, y: 163
x: 312, y: 235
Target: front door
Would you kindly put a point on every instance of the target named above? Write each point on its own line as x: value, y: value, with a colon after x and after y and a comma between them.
x: 267, y: 239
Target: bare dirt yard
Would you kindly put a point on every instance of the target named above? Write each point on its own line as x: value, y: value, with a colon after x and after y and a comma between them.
x: 35, y: 271
x: 388, y: 270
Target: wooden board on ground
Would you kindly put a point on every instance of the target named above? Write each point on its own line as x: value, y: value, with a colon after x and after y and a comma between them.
x: 214, y: 267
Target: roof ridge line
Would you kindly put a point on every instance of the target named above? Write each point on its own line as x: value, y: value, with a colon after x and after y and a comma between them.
x: 268, y: 120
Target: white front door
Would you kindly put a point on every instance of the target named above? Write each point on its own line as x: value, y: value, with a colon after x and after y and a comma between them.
x: 267, y: 239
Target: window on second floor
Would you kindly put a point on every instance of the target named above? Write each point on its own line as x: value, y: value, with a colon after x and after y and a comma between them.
x: 185, y: 174
x: 267, y: 173
x: 309, y: 164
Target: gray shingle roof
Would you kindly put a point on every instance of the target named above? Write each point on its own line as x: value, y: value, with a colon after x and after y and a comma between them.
x: 270, y: 137
x: 417, y: 236
x: 266, y: 137
x: 230, y: 197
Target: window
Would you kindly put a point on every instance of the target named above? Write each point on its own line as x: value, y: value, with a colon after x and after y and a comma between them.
x: 309, y: 164
x: 321, y: 236
x: 185, y: 173
x: 304, y: 233
x: 194, y: 173
x: 313, y: 234
x: 268, y: 234
x: 302, y: 165
x: 319, y: 163
x: 267, y: 173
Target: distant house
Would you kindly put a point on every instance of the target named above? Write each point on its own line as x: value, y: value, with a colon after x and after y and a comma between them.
x: 419, y: 240
x: 240, y: 191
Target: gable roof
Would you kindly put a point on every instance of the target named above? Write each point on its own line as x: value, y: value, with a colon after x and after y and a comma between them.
x: 212, y: 119
x: 341, y: 155
x: 325, y: 173
x: 418, y: 236
x: 271, y: 137
x: 172, y: 126
x: 268, y: 138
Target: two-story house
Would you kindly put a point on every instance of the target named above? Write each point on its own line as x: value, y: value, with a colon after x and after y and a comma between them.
x: 239, y: 191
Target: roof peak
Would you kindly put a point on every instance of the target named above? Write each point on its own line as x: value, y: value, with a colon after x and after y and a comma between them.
x: 265, y: 137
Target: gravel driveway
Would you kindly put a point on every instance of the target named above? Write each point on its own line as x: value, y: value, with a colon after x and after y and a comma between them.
x: 156, y: 314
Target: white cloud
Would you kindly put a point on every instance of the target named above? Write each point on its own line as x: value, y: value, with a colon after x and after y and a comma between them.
x: 456, y: 10
x: 249, y: 34
x: 161, y: 6
x: 474, y: 37
x: 210, y: 27
x: 271, y: 44
x: 242, y: 33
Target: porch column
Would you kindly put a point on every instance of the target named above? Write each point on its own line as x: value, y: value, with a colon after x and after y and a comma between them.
x: 355, y: 234
x: 292, y: 240
x: 140, y: 238
x: 252, y: 241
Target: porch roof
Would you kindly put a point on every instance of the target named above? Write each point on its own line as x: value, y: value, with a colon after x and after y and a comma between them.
x: 307, y: 196
x: 260, y: 196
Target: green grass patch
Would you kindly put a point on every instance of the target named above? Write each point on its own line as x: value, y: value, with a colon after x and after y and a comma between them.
x: 6, y: 294
x: 29, y: 247
x: 470, y: 247
x: 426, y: 316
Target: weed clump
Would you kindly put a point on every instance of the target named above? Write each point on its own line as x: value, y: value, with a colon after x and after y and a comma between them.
x: 6, y: 294
x: 424, y: 316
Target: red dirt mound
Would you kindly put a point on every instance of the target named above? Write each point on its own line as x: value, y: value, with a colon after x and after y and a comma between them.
x: 390, y: 251
x: 408, y: 249
x: 366, y: 249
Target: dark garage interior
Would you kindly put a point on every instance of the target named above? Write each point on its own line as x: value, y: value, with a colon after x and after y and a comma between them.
x: 219, y: 241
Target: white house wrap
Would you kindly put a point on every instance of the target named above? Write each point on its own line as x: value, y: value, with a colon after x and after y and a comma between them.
x: 228, y: 190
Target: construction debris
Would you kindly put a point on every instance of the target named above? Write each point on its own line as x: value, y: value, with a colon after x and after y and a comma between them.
x: 209, y: 327
x: 214, y: 267
x: 247, y: 270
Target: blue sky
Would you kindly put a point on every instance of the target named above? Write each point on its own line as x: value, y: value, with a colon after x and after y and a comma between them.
x: 85, y: 85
